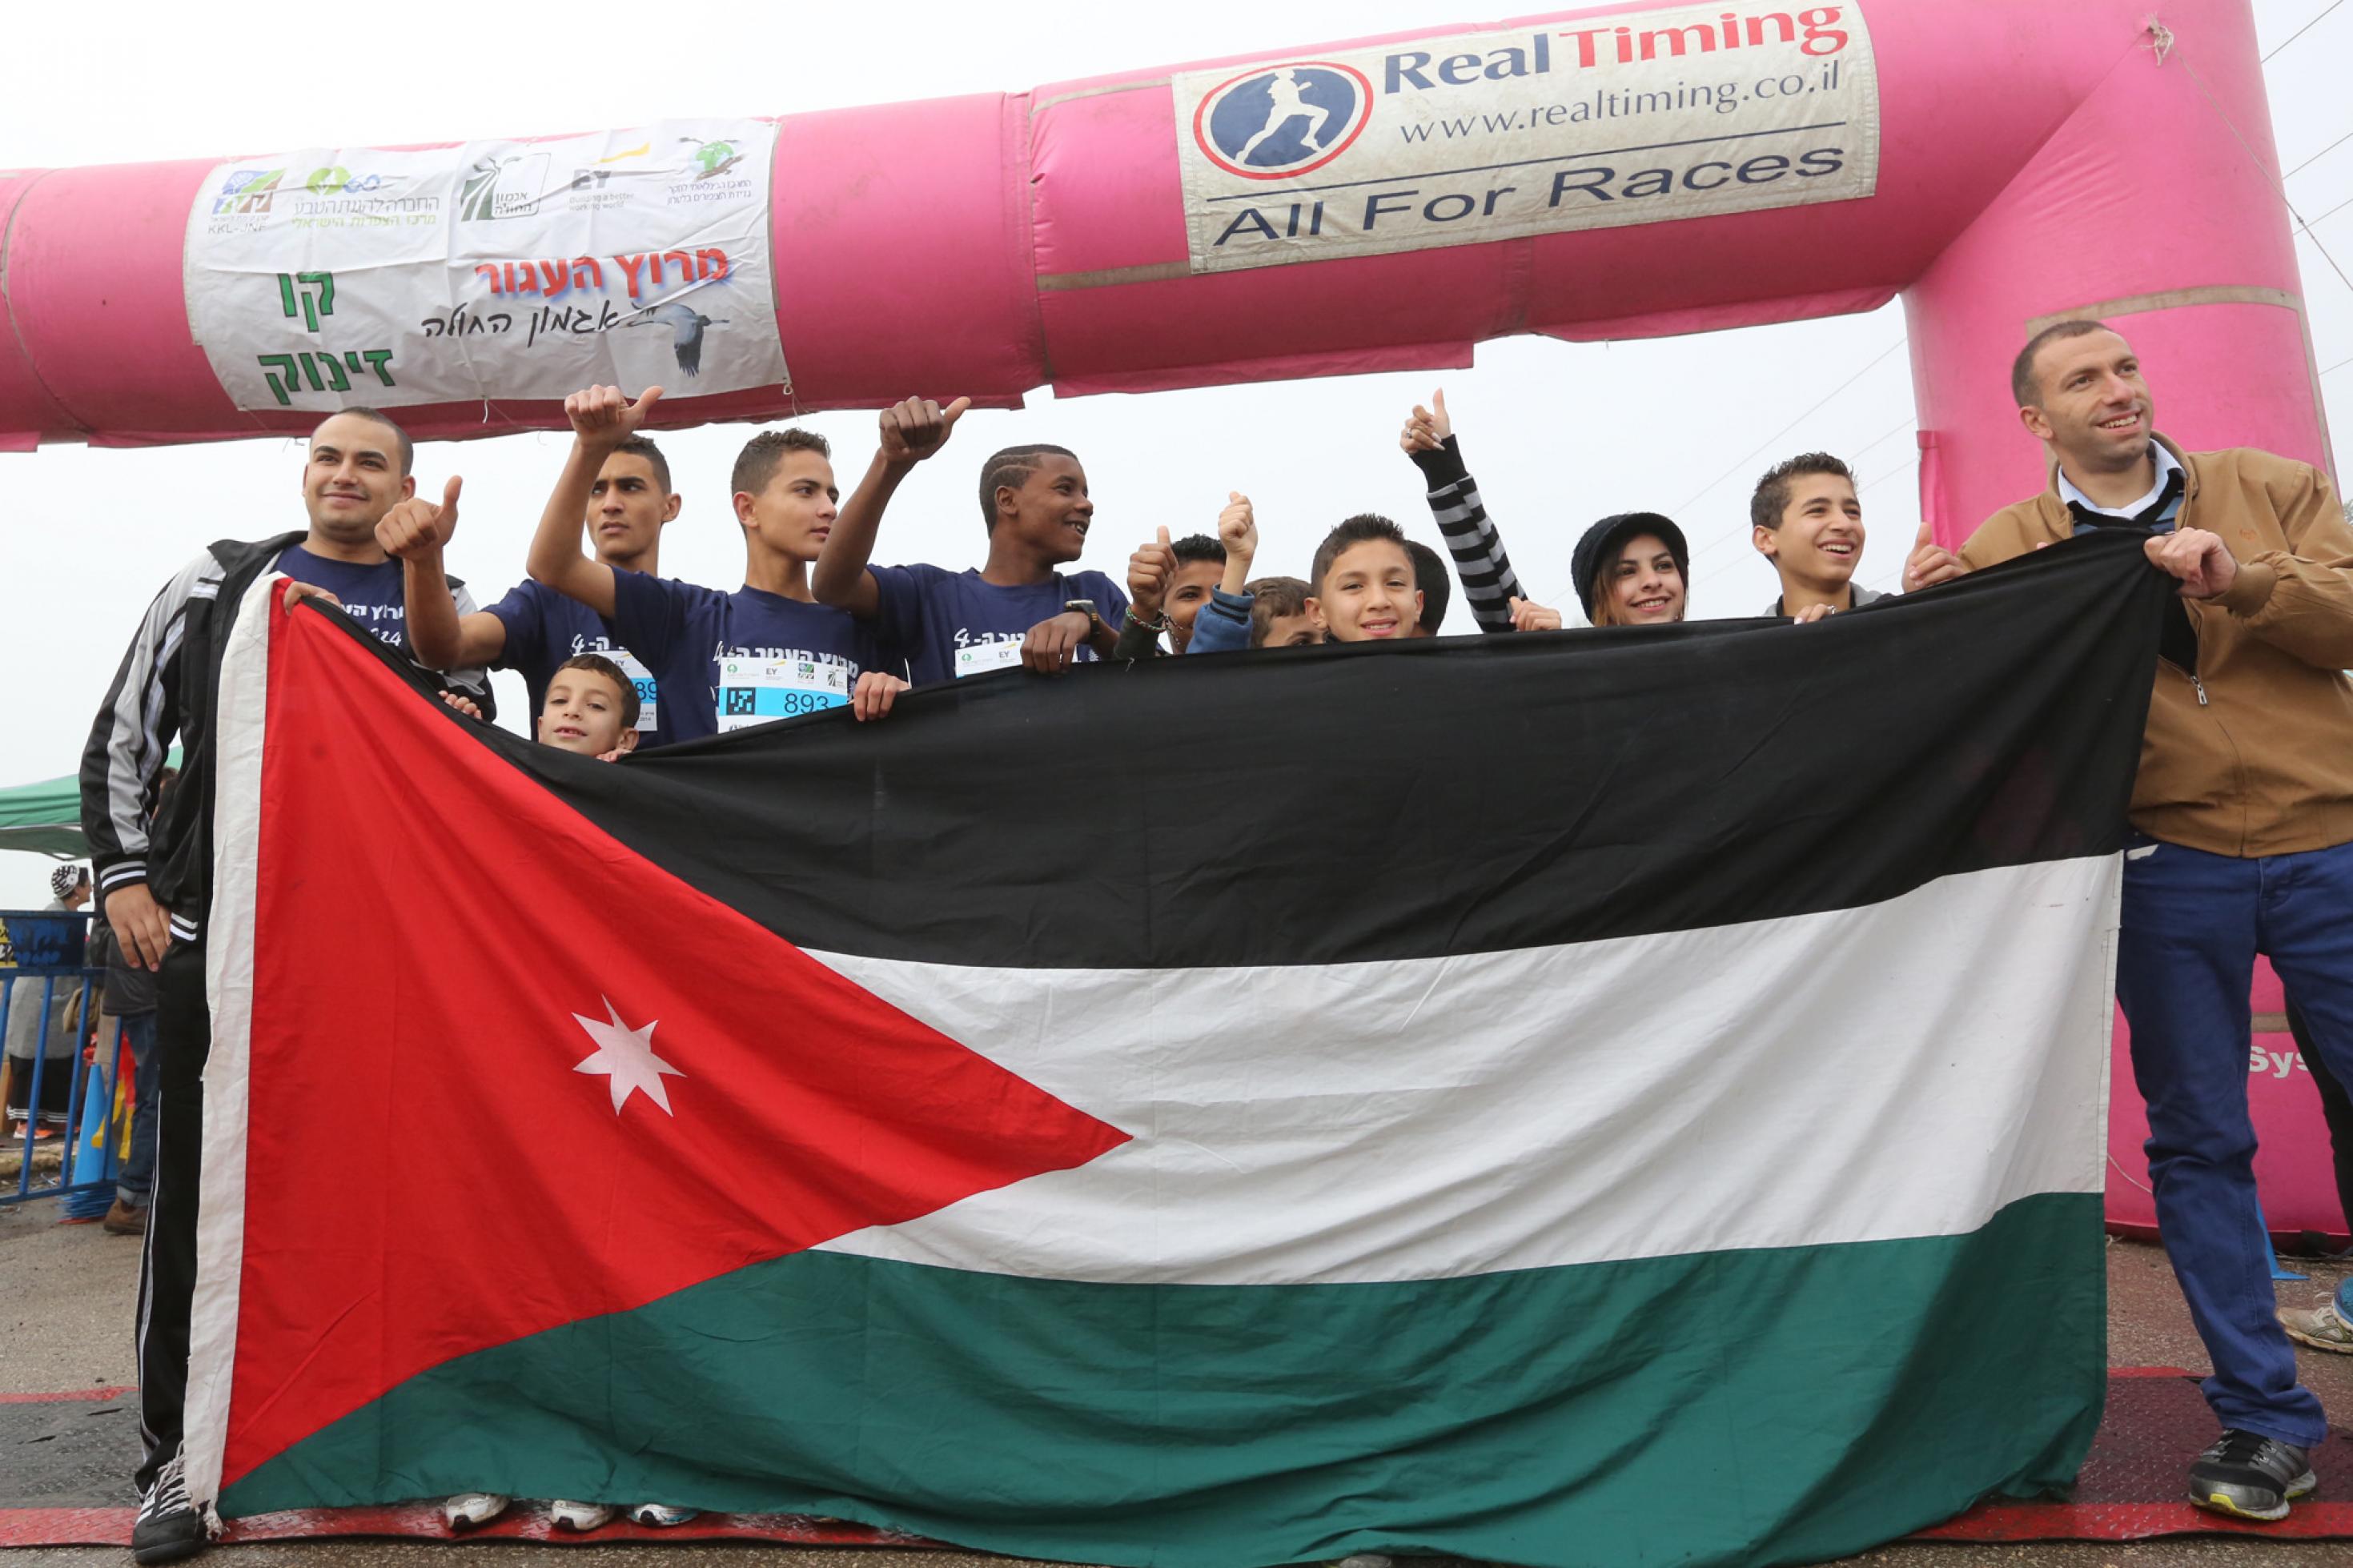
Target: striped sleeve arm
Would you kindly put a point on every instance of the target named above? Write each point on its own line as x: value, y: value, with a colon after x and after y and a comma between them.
x: 132, y: 734
x: 1489, y: 583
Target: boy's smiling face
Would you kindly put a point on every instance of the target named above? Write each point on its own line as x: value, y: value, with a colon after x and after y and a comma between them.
x: 1051, y: 512
x: 1820, y: 538
x: 582, y: 713
x: 1368, y: 596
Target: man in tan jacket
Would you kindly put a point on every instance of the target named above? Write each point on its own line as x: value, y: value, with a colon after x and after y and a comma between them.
x: 2243, y: 842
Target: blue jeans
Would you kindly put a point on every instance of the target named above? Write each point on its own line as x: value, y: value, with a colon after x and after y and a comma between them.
x: 137, y: 1177
x: 2192, y: 924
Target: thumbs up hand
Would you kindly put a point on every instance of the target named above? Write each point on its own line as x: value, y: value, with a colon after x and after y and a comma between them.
x: 603, y: 417
x: 1238, y: 527
x: 1930, y: 563
x: 415, y: 529
x: 1148, y: 571
x: 916, y: 428
x: 1426, y: 429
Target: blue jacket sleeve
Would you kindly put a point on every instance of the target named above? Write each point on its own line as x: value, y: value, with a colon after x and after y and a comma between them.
x: 1223, y: 625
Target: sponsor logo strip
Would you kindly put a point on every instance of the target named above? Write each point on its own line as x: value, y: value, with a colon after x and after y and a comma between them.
x: 331, y: 277
x: 1598, y: 123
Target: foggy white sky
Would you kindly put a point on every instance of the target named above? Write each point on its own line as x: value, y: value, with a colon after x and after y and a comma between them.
x: 1557, y: 433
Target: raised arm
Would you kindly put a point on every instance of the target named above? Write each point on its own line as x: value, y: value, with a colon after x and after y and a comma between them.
x: 1238, y: 532
x: 1489, y: 583
x: 1224, y: 623
x: 911, y: 431
x: 602, y: 418
x: 416, y: 532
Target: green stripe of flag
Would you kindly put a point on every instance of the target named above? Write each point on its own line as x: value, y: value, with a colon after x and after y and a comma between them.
x: 1752, y: 1407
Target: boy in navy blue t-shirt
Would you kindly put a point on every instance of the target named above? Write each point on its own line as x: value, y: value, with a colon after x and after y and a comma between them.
x: 534, y: 628
x: 722, y: 660
x: 1018, y: 608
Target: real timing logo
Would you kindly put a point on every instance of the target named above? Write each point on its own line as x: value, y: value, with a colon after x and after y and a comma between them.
x: 1275, y: 121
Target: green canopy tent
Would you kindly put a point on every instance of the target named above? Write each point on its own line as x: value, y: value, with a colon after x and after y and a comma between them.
x: 45, y: 818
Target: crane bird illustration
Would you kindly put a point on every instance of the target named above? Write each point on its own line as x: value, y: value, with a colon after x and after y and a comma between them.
x: 686, y: 326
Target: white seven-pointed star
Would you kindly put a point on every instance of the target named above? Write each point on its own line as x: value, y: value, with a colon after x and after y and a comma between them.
x: 627, y: 1055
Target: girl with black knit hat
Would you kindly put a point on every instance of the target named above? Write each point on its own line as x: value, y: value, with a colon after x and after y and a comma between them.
x: 1632, y: 570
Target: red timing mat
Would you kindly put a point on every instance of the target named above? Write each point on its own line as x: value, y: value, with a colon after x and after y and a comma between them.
x: 2132, y: 1485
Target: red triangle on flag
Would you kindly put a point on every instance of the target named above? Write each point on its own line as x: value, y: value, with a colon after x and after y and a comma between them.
x: 446, y: 956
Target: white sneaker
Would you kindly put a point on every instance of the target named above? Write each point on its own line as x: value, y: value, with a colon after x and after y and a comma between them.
x: 581, y: 1517
x: 2319, y: 1326
x: 660, y: 1515
x: 471, y: 1511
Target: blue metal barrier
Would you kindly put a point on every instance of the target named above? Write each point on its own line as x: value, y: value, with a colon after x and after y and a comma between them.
x: 81, y: 1169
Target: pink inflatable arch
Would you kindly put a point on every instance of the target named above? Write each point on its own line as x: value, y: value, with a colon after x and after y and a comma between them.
x: 1380, y: 205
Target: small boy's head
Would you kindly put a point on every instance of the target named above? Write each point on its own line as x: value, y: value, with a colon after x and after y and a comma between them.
x: 1437, y: 585
x: 1200, y: 563
x: 784, y: 495
x: 70, y: 884
x: 1278, y: 613
x: 1039, y: 492
x: 629, y: 502
x: 1365, y: 585
x: 1806, y: 520
x: 591, y: 707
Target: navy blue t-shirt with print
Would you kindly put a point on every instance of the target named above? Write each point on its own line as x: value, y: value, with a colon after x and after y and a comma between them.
x: 373, y: 596
x: 545, y: 627
x: 726, y: 660
x: 953, y: 623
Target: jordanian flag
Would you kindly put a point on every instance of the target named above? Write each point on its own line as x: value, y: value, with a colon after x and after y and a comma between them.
x: 1613, y: 1096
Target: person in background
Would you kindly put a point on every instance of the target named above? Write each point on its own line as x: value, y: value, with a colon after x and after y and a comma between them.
x: 46, y: 1034
x: 1437, y: 585
x: 1279, y: 616
x: 2327, y: 1325
x: 130, y: 1009
x: 1167, y: 583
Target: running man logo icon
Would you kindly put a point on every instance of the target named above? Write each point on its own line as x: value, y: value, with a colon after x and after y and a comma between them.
x: 1274, y: 122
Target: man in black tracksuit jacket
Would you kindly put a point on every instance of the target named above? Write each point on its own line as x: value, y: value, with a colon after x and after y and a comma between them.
x: 156, y: 878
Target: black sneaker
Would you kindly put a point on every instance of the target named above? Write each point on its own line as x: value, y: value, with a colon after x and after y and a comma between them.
x: 2248, y: 1476
x: 168, y: 1527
